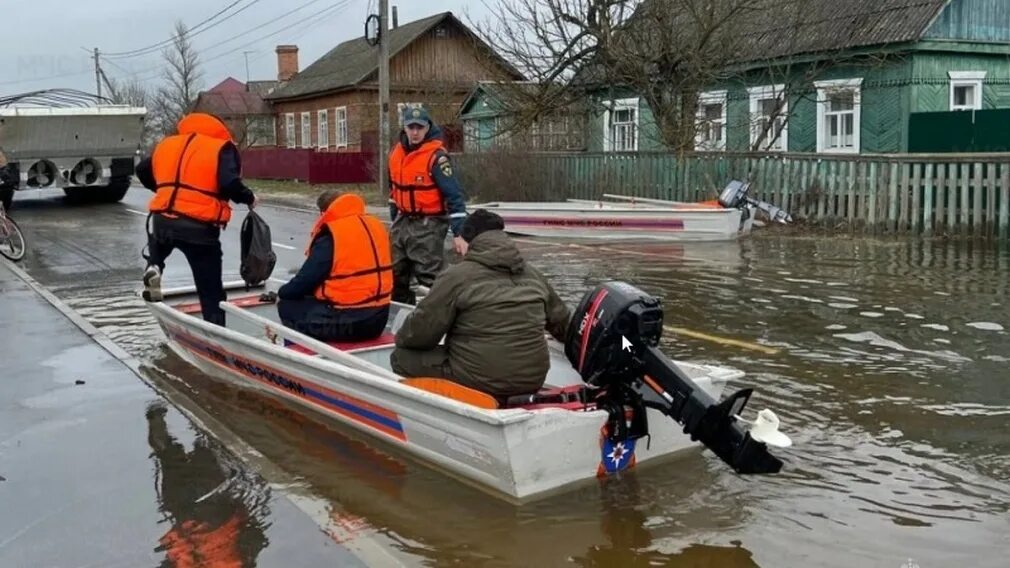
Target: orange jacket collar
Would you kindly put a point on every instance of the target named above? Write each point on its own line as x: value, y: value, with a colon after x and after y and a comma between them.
x: 202, y: 123
x: 346, y: 205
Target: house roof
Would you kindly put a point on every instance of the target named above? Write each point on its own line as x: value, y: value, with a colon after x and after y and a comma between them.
x: 354, y: 61
x: 262, y: 87
x: 777, y: 29
x: 229, y: 85
x: 229, y: 103
x: 814, y: 26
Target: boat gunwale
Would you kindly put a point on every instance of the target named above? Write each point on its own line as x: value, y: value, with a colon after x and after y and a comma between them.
x: 561, y: 206
x: 496, y: 417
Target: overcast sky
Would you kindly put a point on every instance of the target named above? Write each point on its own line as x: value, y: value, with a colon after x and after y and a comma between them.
x: 48, y: 43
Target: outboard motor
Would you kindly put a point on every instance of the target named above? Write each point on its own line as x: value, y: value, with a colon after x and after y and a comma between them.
x: 735, y: 196
x: 613, y: 342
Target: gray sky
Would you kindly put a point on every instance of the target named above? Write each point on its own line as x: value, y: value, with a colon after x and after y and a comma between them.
x: 42, y: 45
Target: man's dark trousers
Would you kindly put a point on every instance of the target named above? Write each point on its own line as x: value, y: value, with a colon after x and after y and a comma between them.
x: 201, y: 245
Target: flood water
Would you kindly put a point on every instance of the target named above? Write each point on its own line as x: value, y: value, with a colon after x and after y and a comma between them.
x: 885, y: 360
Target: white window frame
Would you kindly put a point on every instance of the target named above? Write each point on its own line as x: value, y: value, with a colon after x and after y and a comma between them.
x: 323, y: 136
x: 289, y: 129
x: 340, y: 119
x: 766, y: 92
x: 824, y: 88
x: 710, y: 98
x: 966, y: 79
x: 471, y: 135
x: 619, y: 105
x: 306, y: 130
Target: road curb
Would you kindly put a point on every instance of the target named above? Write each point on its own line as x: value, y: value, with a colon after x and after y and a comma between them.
x: 364, y: 547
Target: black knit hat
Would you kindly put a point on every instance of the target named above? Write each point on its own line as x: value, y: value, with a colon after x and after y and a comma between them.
x: 480, y: 221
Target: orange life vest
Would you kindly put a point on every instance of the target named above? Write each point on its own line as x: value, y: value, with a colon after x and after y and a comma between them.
x: 413, y: 189
x: 185, y: 171
x: 194, y: 543
x: 362, y: 272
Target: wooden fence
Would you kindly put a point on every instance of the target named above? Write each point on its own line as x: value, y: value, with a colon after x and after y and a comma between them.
x: 308, y: 165
x: 928, y: 194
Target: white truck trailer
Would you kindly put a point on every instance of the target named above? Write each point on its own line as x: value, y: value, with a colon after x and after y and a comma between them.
x: 89, y: 152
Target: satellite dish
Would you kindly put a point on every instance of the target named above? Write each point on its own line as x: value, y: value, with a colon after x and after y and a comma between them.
x: 372, y: 30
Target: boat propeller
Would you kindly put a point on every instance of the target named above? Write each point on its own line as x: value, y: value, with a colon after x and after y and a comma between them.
x: 613, y: 343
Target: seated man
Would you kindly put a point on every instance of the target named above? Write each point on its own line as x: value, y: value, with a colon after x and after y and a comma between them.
x: 342, y: 291
x: 493, y: 309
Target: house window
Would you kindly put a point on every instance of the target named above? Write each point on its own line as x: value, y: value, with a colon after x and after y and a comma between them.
x: 966, y: 90
x: 324, y: 129
x: 306, y: 129
x: 289, y: 129
x: 769, y: 112
x: 838, y: 116
x: 341, y: 113
x: 711, y: 121
x: 621, y: 126
x: 471, y: 130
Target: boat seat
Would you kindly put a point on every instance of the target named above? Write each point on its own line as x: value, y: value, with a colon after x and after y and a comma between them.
x: 386, y: 338
x: 453, y: 390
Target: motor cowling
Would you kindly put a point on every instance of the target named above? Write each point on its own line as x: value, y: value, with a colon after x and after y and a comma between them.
x: 609, y: 319
x: 734, y: 195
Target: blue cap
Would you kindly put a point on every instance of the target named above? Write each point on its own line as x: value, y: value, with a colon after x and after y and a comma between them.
x: 415, y: 116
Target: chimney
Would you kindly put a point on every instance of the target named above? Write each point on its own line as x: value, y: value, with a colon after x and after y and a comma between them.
x: 287, y: 62
x: 396, y: 19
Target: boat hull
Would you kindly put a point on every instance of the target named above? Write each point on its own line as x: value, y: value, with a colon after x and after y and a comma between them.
x: 518, y: 454
x: 613, y: 222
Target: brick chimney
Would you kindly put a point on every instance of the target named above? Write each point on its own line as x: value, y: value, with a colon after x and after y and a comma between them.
x: 287, y: 62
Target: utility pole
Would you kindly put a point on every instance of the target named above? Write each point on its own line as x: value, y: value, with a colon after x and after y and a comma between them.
x: 98, y: 75
x: 383, y: 96
x: 246, y: 53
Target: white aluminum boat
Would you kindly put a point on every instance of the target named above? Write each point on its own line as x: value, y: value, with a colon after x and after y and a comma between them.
x: 639, y: 221
x: 518, y: 453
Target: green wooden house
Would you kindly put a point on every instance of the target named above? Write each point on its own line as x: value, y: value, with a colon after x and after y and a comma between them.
x: 846, y: 80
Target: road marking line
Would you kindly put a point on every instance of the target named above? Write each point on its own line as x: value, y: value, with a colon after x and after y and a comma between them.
x: 721, y: 340
x: 289, y: 247
x: 135, y: 212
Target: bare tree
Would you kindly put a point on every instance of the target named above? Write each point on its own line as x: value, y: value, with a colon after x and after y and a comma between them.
x: 182, y: 80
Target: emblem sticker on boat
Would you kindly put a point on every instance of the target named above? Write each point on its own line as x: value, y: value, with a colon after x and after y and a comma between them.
x: 615, y: 457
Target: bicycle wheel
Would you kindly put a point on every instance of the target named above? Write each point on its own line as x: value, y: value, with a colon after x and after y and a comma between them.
x: 12, y: 240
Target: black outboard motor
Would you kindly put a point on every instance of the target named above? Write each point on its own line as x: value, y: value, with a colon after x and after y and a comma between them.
x: 735, y: 196
x: 613, y: 343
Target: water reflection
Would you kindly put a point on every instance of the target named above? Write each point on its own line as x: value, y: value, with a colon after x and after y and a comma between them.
x: 213, y: 510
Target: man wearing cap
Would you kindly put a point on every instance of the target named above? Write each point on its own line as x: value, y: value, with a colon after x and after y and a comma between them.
x: 425, y: 200
x: 492, y: 309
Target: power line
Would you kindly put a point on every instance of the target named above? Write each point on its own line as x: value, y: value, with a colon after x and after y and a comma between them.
x: 332, y: 8
x: 193, y: 31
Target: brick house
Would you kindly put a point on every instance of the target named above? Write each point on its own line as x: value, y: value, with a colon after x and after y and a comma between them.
x: 242, y: 107
x: 332, y: 105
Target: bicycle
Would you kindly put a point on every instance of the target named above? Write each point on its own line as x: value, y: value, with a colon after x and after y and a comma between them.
x: 12, y: 240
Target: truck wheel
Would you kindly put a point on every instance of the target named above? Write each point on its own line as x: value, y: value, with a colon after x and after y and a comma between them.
x: 114, y: 192
x: 111, y: 193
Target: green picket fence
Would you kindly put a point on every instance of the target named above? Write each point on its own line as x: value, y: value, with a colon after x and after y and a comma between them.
x: 927, y: 194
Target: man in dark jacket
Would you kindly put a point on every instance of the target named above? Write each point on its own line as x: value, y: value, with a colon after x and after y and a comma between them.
x: 493, y: 309
x: 312, y: 301
x: 194, y: 175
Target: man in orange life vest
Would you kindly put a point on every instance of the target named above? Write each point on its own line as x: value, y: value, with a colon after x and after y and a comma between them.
x: 194, y: 174
x: 425, y: 202
x: 342, y: 291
